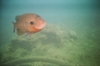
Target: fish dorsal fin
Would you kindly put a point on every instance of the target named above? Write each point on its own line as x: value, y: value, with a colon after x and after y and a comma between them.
x: 19, y: 32
x: 17, y: 17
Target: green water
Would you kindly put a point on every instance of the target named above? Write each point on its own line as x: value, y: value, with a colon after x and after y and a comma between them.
x: 70, y: 38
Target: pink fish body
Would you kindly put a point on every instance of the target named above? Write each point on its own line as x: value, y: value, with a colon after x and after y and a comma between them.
x: 28, y: 23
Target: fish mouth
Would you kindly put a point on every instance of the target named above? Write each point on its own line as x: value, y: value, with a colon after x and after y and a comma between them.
x: 41, y: 26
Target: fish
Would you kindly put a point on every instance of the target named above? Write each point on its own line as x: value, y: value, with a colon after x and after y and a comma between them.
x: 29, y: 23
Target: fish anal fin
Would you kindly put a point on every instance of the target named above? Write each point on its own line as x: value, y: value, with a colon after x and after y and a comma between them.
x: 29, y: 34
x: 19, y: 32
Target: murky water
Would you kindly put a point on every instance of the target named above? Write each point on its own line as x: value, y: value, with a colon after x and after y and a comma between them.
x: 71, y: 36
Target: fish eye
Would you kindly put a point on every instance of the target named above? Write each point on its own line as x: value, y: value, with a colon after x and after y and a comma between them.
x: 31, y: 22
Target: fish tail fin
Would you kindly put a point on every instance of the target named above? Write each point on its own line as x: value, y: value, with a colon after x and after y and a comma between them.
x: 14, y: 27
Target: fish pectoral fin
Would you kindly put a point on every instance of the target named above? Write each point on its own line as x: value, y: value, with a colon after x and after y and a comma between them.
x: 19, y: 32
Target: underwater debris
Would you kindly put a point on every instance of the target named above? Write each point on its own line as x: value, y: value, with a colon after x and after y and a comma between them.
x: 46, y: 36
x: 72, y: 35
x: 36, y: 59
x: 48, y: 42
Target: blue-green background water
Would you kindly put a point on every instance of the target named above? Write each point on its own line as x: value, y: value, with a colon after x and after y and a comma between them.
x: 82, y: 16
x: 69, y: 13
